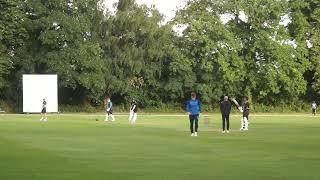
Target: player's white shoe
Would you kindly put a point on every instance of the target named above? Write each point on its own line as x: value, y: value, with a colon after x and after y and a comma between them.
x: 45, y: 120
x: 223, y: 132
x: 41, y: 119
x: 227, y: 131
x: 195, y: 134
x: 192, y: 134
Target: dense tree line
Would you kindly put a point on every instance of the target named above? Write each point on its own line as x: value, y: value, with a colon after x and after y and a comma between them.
x: 133, y: 53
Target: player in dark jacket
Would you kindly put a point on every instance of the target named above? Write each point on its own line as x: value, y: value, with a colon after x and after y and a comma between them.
x: 225, y: 108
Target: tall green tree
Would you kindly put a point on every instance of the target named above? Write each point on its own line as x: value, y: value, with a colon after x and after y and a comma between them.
x: 249, y: 54
x: 60, y: 41
x: 305, y: 28
x: 275, y: 68
x: 212, y: 51
x: 12, y: 37
x: 135, y: 45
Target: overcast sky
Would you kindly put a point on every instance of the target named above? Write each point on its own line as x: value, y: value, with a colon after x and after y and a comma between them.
x: 166, y: 7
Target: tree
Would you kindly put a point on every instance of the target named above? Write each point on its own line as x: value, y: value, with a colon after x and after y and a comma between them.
x: 212, y: 52
x: 250, y: 54
x: 305, y: 28
x: 12, y: 36
x: 60, y: 42
x: 135, y: 44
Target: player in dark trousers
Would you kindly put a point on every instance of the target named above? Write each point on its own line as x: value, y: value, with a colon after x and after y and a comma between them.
x: 109, y: 107
x: 44, y: 110
x: 245, y: 115
x: 193, y: 107
x: 133, y: 112
x: 314, y: 108
x: 225, y: 108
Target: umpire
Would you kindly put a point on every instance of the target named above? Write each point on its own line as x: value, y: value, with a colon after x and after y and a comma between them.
x: 225, y: 108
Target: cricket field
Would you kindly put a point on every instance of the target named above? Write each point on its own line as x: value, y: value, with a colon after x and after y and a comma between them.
x: 158, y: 147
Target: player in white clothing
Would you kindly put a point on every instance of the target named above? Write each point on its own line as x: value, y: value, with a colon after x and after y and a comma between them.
x: 133, y: 112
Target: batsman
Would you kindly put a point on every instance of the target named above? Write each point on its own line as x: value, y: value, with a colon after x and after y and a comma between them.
x: 245, y: 113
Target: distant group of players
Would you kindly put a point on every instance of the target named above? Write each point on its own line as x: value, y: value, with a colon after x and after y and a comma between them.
x: 193, y: 107
x: 109, y: 110
x: 132, y: 114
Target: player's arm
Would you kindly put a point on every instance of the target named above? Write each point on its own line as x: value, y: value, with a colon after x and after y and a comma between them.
x: 229, y: 106
x: 187, y: 107
x: 200, y: 106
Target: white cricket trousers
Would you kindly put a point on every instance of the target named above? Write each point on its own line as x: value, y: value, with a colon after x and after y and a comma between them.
x: 132, y: 117
x: 244, y: 123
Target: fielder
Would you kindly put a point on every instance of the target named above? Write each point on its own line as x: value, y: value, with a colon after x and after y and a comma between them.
x: 245, y: 116
x: 109, y: 110
x: 44, y: 110
x: 193, y: 108
x: 133, y: 112
x: 314, y: 108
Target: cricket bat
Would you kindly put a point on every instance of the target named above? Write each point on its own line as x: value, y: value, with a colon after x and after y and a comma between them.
x: 237, y: 104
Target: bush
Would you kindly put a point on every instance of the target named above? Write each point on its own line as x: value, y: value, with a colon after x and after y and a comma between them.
x: 4, y: 106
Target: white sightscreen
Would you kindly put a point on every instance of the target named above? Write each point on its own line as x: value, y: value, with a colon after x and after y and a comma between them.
x: 38, y: 87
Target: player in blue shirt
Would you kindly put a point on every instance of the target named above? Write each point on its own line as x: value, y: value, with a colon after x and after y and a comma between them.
x: 193, y: 108
x: 109, y: 107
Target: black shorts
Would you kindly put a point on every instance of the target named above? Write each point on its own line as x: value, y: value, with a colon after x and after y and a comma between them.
x: 44, y: 110
x: 313, y: 110
x: 246, y: 115
x: 109, y: 112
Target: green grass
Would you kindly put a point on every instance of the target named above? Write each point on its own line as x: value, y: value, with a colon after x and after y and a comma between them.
x: 280, y: 147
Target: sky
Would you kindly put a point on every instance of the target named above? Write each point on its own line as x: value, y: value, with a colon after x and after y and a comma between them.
x: 166, y: 7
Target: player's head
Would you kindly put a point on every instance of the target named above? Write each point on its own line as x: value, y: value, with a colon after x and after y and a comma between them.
x: 226, y: 98
x: 133, y: 100
x: 108, y: 99
x: 44, y: 99
x: 193, y: 95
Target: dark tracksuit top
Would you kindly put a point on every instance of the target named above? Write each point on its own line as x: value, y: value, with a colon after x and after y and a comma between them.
x: 245, y: 107
x: 225, y: 107
x: 134, y: 107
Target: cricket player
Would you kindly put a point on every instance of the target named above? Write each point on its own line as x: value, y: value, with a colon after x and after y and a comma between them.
x: 133, y: 112
x: 109, y: 107
x: 225, y: 108
x: 193, y: 108
x: 245, y: 115
x: 314, y: 108
x: 44, y: 110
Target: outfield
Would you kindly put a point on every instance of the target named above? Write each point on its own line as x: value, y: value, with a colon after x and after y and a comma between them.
x: 283, y: 147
